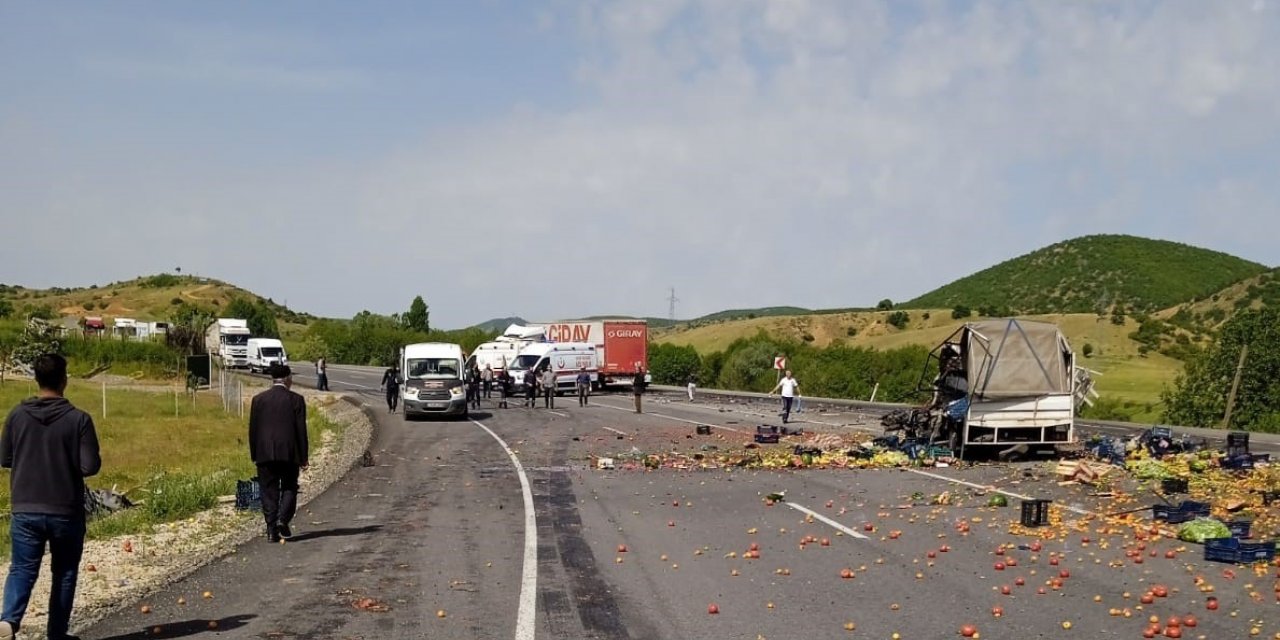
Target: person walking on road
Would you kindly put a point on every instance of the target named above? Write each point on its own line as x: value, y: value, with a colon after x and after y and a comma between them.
x: 692, y: 384
x: 790, y: 389
x: 51, y: 446
x: 549, y: 384
x: 504, y: 388
x: 486, y: 381
x: 473, y: 387
x: 278, y: 446
x: 391, y: 381
x: 583, y: 381
x: 322, y: 375
x: 530, y: 388
x: 638, y: 384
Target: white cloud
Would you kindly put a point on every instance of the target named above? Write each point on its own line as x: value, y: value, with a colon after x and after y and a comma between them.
x: 786, y: 152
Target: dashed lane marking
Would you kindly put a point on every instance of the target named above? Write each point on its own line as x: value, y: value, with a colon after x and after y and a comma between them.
x: 825, y: 520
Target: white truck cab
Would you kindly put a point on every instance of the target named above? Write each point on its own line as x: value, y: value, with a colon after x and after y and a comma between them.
x: 264, y: 352
x: 433, y: 380
x: 567, y: 359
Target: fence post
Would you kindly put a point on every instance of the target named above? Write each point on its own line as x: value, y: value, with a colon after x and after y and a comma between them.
x: 873, y: 392
x: 104, y: 398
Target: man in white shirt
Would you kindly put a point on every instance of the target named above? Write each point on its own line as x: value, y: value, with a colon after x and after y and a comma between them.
x: 790, y: 388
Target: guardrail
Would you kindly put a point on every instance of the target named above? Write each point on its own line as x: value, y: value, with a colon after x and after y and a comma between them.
x: 1134, y: 427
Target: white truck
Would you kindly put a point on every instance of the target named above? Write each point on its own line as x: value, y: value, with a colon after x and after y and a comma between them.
x: 1006, y: 383
x: 567, y: 359
x: 264, y: 352
x: 227, y: 339
x: 498, y: 353
x: 433, y: 380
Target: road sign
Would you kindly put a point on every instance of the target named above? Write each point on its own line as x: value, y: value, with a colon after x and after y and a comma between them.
x: 780, y: 363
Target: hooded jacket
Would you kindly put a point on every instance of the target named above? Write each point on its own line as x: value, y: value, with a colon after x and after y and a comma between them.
x: 51, y: 447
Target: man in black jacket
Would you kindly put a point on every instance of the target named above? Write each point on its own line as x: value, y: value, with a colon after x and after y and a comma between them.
x: 278, y: 446
x: 51, y: 447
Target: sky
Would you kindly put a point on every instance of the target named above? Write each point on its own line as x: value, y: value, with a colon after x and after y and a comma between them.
x: 560, y: 159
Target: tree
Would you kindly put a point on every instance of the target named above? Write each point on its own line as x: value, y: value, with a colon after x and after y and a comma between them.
x: 671, y: 364
x: 417, y: 317
x: 1087, y: 350
x: 9, y: 340
x: 261, y: 319
x: 885, y: 305
x: 960, y: 311
x: 6, y: 308
x: 1199, y: 396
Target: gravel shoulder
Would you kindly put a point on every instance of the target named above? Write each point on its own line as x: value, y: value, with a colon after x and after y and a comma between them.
x: 117, y: 572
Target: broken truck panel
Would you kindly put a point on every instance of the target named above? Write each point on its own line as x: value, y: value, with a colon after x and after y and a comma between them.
x: 1004, y: 383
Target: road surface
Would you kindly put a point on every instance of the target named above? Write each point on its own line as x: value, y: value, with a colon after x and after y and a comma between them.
x: 434, y: 541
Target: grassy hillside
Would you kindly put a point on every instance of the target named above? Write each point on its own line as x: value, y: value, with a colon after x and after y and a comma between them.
x: 1262, y: 290
x: 144, y: 298
x: 1096, y: 274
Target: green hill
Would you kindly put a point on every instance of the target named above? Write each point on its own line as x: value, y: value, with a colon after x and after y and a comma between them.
x: 1095, y: 274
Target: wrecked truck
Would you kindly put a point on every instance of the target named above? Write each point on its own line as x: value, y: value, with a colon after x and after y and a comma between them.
x: 1004, y: 385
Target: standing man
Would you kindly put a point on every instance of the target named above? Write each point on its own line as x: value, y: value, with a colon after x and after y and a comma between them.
x: 391, y: 381
x: 473, y: 386
x: 692, y: 384
x: 584, y: 386
x: 790, y: 388
x: 549, y: 387
x: 278, y: 446
x: 504, y: 388
x: 322, y: 375
x: 51, y: 447
x: 486, y: 379
x: 530, y: 388
x: 638, y: 384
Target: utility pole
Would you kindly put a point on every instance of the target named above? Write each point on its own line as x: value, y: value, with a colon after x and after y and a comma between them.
x: 671, y: 308
x: 1235, y: 385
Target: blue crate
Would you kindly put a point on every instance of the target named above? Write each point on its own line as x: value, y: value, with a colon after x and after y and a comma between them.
x: 248, y: 494
x: 1240, y: 527
x: 1187, y: 511
x: 1233, y: 551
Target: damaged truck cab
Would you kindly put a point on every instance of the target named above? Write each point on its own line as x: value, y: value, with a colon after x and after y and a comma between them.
x: 1004, y: 384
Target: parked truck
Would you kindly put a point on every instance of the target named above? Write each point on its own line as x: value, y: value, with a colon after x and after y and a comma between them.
x: 227, y: 339
x: 500, y: 352
x: 622, y: 345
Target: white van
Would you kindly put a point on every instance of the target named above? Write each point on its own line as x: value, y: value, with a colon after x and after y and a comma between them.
x: 264, y: 352
x: 567, y: 359
x: 433, y: 382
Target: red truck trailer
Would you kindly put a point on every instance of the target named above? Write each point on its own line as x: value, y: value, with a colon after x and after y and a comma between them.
x: 622, y: 346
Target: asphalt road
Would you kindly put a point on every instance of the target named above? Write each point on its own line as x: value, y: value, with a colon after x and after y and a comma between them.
x: 439, y: 525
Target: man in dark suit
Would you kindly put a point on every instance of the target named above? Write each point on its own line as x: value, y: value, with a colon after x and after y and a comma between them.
x: 278, y: 446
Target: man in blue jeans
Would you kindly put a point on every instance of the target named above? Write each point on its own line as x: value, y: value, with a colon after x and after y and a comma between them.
x: 51, y: 447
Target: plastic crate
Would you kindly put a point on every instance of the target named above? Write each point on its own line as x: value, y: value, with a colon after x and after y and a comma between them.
x: 1185, y: 512
x: 1035, y: 513
x: 1245, y: 461
x: 703, y: 429
x: 1173, y: 485
x: 1234, y: 551
x: 1269, y: 497
x: 248, y: 494
x: 767, y: 434
x: 1240, y: 528
x: 1237, y: 443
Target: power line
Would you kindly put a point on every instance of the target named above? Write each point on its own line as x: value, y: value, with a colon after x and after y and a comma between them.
x: 671, y: 308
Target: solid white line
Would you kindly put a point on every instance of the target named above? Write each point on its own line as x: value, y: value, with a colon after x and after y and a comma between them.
x: 557, y: 413
x: 525, y: 614
x: 617, y: 431
x: 828, y: 521
x: 974, y: 485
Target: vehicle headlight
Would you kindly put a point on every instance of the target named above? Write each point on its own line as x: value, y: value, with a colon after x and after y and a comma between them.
x: 458, y: 391
x: 410, y: 393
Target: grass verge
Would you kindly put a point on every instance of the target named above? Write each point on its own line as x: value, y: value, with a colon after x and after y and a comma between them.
x: 174, y: 461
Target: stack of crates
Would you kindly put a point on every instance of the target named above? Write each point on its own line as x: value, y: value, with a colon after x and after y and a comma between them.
x: 1035, y: 513
x: 1234, y: 551
x: 1187, y: 511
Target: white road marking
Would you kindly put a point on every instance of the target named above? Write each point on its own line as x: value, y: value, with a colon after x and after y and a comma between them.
x: 974, y: 485
x: 617, y: 431
x: 525, y: 614
x: 332, y: 381
x: 825, y: 520
x: 557, y: 413
x: 663, y: 415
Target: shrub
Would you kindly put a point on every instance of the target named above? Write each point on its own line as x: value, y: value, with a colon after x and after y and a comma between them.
x: 851, y: 331
x: 807, y: 337
x: 161, y: 281
x: 960, y: 312
x: 1087, y: 350
x: 884, y: 305
x: 899, y: 319
x: 88, y: 306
